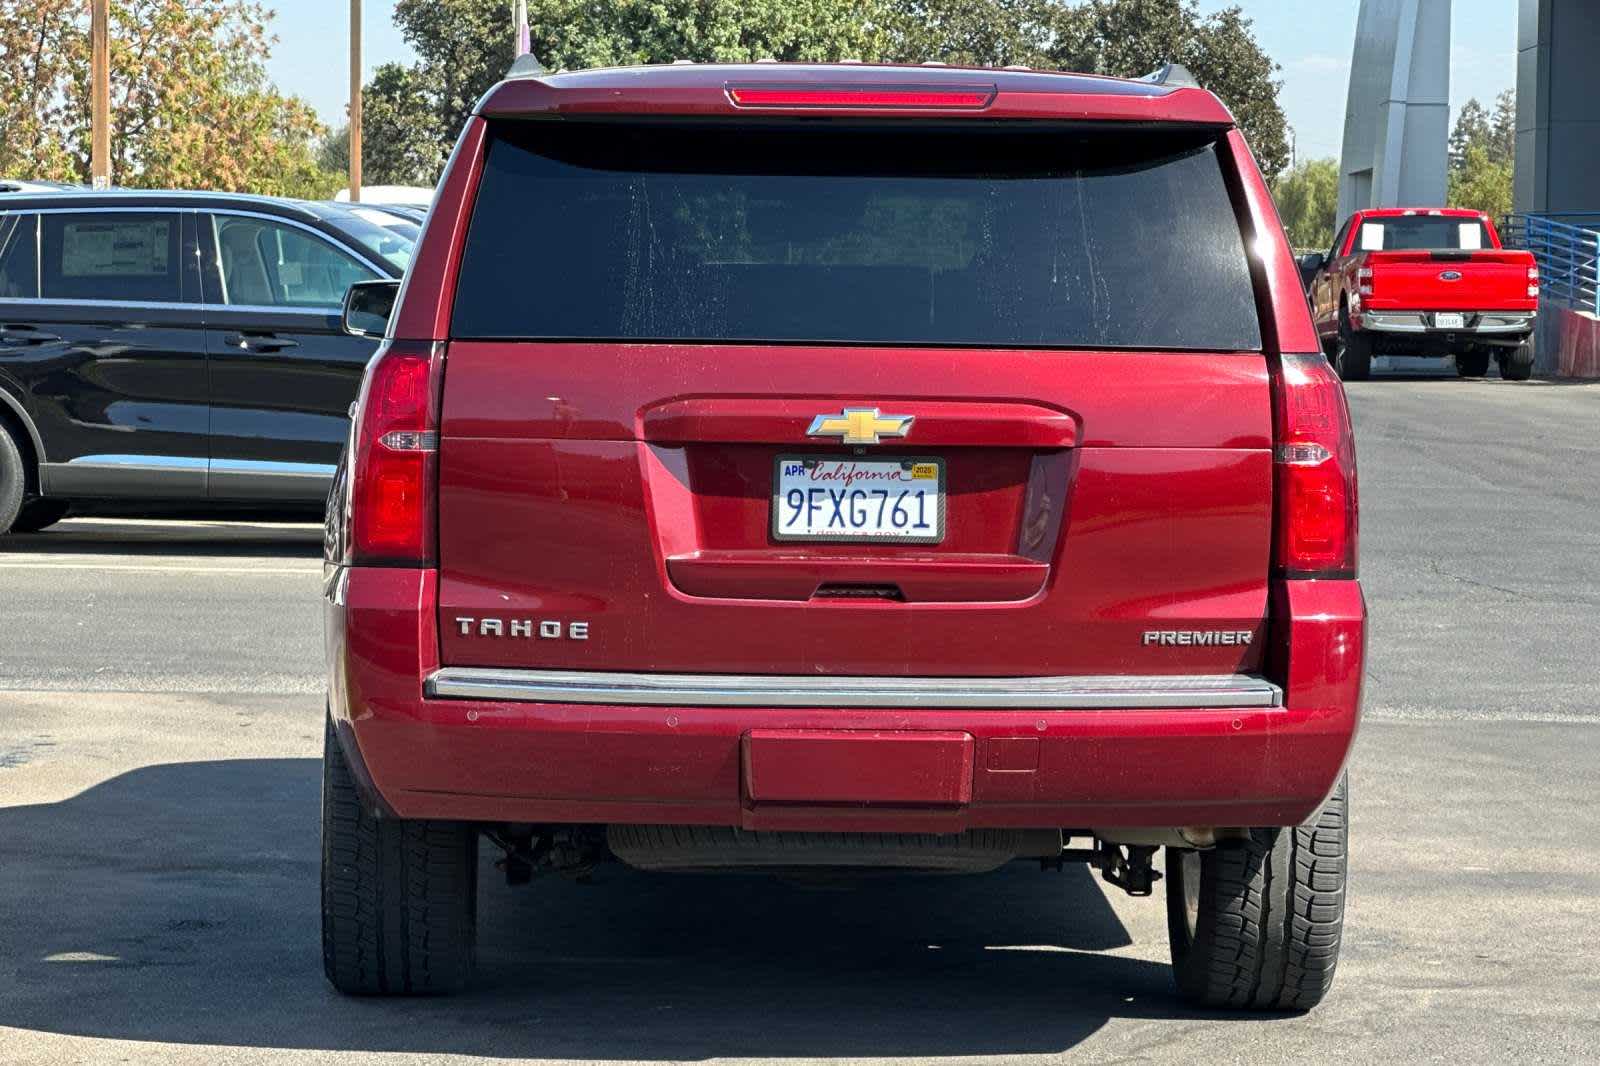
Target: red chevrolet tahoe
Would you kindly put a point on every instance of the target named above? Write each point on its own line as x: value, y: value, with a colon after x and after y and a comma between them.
x: 1426, y: 284
x: 832, y: 468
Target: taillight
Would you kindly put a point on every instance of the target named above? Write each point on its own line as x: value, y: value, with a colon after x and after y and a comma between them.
x: 394, y: 466
x: 1364, y: 279
x: 920, y: 97
x: 1314, y: 459
x: 1533, y: 281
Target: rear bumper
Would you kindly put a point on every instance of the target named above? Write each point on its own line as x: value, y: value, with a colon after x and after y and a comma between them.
x: 1485, y: 326
x: 519, y: 760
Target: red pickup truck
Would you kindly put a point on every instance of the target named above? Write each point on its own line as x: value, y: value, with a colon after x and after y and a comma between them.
x: 839, y: 468
x: 1429, y: 283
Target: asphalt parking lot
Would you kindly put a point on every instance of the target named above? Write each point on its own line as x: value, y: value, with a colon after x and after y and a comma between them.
x: 161, y: 717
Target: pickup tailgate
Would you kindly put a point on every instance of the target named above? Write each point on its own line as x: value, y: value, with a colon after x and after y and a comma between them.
x: 1488, y: 280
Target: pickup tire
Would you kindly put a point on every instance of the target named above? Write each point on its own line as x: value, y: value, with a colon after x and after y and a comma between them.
x: 1472, y: 363
x: 1516, y: 364
x: 399, y: 898
x: 1352, y: 353
x: 1255, y: 924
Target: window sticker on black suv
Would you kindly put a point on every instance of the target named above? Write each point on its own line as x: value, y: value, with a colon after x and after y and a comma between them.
x: 111, y: 256
x: 887, y: 235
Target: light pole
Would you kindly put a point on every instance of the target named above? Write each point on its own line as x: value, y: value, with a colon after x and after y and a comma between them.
x: 100, y: 93
x: 355, y: 100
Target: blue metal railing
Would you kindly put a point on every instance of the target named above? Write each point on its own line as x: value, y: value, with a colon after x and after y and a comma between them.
x: 1567, y: 248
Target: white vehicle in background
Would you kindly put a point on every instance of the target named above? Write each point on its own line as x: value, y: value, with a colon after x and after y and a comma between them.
x: 382, y: 195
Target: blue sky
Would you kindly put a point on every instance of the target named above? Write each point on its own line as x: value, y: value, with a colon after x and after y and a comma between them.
x: 1310, y: 39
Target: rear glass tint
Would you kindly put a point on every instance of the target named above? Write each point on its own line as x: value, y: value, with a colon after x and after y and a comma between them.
x: 1049, y: 238
x: 1422, y: 233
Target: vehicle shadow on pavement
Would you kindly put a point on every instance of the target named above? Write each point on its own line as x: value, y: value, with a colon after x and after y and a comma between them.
x: 178, y: 903
x: 172, y: 538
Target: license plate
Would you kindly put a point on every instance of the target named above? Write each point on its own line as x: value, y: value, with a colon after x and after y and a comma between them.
x: 893, y: 499
x: 1450, y: 321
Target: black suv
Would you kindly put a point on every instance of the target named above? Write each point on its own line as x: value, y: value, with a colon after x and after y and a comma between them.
x: 179, y: 349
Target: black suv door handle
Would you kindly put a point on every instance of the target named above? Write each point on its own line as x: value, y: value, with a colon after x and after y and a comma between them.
x: 23, y: 335
x: 259, y: 342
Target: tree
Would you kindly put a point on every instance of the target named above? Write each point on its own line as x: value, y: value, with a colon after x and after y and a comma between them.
x: 464, y: 47
x: 413, y: 114
x: 1482, y: 183
x: 191, y: 106
x: 1308, y: 202
x: 991, y: 33
x: 1129, y: 38
x: 1483, y: 153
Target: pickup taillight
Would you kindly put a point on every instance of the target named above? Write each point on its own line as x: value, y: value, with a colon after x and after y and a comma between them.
x: 1314, y: 461
x: 1364, y: 280
x: 1533, y: 281
x: 394, y: 465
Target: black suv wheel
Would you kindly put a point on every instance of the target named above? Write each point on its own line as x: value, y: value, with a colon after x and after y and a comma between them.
x: 13, y: 480
x: 399, y: 898
x: 1256, y: 923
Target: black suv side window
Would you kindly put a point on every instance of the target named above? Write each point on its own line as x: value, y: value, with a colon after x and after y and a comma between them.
x: 124, y: 257
x: 272, y: 264
x: 19, y: 257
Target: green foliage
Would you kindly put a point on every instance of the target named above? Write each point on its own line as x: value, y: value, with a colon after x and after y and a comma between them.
x: 1482, y: 183
x: 464, y: 46
x: 191, y: 105
x: 1308, y: 201
x: 1483, y: 152
x: 1128, y: 38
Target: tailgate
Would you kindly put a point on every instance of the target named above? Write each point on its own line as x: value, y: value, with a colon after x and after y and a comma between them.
x: 683, y: 356
x: 1075, y: 521
x: 1450, y: 281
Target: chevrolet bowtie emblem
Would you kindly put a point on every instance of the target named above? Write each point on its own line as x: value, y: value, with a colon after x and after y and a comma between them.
x: 860, y: 425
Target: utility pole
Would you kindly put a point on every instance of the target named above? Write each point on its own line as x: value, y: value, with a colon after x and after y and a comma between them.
x: 100, y: 93
x: 355, y: 100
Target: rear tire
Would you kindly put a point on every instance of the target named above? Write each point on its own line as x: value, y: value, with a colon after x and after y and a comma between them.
x: 1516, y: 364
x: 1256, y: 924
x: 13, y: 480
x: 37, y: 514
x: 1352, y: 356
x: 1472, y: 363
x: 399, y: 898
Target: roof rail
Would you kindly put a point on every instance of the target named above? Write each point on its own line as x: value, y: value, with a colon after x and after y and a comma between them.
x: 1174, y: 74
x: 526, y: 65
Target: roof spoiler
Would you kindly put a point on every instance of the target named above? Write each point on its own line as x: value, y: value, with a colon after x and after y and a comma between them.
x: 1175, y: 75
x: 526, y: 65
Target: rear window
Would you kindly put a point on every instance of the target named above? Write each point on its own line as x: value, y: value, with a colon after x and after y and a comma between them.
x: 1050, y: 238
x: 1422, y: 233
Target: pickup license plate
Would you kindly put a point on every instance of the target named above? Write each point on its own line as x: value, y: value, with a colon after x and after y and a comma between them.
x: 893, y: 499
x: 1453, y: 321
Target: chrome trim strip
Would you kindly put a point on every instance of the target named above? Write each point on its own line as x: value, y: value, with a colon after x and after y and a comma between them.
x: 759, y: 690
x: 269, y: 468
x: 142, y: 462
x: 157, y: 305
